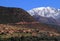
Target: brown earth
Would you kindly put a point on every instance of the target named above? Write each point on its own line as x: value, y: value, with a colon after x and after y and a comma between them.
x: 13, y: 19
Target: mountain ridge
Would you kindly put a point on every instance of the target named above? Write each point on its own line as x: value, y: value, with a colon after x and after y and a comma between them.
x: 13, y: 15
x: 46, y: 12
x: 19, y: 18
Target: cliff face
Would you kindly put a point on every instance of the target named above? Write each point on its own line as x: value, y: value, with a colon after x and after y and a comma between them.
x: 13, y: 15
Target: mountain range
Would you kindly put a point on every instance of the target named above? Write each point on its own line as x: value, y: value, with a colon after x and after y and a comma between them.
x: 19, y: 18
x: 48, y: 15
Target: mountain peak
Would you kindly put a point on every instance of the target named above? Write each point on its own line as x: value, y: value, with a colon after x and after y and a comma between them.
x: 41, y: 8
x: 45, y: 11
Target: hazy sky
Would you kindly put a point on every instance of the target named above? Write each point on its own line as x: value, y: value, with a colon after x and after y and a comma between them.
x: 29, y: 4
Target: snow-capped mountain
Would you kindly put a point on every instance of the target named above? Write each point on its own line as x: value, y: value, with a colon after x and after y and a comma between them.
x: 46, y: 15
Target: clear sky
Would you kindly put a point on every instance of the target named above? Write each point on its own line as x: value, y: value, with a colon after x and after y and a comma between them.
x: 29, y: 4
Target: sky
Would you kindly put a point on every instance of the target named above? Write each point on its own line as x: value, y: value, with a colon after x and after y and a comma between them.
x: 30, y: 4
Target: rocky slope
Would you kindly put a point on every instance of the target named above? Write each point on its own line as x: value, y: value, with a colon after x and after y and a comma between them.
x: 13, y: 15
x: 12, y: 19
x: 47, y: 15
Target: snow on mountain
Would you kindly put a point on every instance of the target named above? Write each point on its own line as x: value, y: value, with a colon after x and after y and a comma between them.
x: 45, y: 12
x: 48, y: 15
